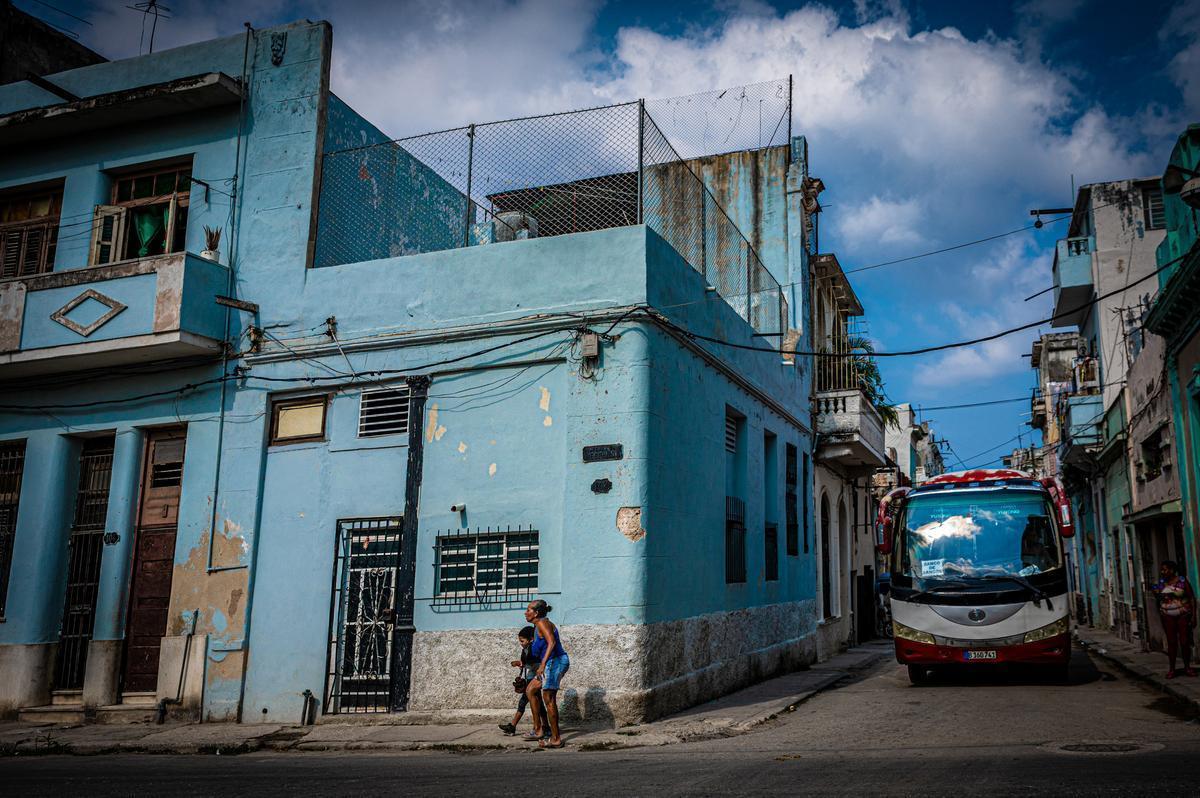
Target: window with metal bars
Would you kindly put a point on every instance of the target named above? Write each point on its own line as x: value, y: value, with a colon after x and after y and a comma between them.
x: 1152, y: 208
x: 735, y: 540
x: 791, y: 511
x: 12, y: 465
x: 486, y: 566
x: 29, y: 231
x: 383, y: 412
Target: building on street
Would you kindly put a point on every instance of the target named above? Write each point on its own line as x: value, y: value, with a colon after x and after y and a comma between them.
x: 1173, y: 447
x: 321, y: 461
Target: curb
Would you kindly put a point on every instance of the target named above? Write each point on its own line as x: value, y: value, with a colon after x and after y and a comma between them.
x: 1142, y: 674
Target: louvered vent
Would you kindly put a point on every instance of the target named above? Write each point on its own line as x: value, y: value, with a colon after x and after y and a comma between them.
x: 731, y: 434
x: 383, y: 412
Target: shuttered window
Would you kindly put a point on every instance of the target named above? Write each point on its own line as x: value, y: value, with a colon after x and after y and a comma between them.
x: 731, y: 433
x: 383, y: 412
x: 28, y: 232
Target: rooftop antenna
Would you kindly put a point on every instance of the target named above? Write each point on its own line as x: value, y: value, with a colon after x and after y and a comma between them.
x: 148, y: 8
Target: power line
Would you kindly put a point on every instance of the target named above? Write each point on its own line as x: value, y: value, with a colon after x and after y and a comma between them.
x: 974, y: 404
x: 955, y: 247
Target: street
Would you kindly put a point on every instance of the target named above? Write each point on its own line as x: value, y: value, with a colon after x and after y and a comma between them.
x: 983, y: 733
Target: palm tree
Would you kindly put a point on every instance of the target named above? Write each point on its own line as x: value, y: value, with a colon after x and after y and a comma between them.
x: 870, y: 380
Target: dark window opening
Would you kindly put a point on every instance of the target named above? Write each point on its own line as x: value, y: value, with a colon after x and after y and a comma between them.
x: 29, y: 231
x: 735, y: 540
x: 771, y: 551
x: 486, y: 566
x: 147, y: 215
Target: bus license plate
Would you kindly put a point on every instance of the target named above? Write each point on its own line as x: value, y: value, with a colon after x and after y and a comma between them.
x: 982, y: 654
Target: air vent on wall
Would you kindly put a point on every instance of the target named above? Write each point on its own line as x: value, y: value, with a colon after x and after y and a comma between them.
x: 383, y: 412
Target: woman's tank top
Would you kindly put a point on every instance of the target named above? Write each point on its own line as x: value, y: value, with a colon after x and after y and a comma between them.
x: 539, y: 645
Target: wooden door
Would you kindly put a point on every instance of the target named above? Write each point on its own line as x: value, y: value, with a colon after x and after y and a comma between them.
x: 153, y: 558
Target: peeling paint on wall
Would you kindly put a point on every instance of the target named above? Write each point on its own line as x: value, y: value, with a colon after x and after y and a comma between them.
x: 544, y: 401
x: 629, y: 523
x: 433, y: 430
x: 547, y: 421
x: 462, y: 447
x: 492, y: 470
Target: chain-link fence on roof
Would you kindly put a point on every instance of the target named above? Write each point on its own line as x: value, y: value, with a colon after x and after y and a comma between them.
x: 536, y: 177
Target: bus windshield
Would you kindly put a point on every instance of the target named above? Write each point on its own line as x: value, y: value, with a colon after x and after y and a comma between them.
x: 958, y: 534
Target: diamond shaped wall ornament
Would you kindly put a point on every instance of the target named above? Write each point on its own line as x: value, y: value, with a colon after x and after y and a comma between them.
x: 114, y: 307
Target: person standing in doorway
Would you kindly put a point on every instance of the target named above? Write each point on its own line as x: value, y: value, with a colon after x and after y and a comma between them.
x: 1177, y: 608
x: 553, y: 665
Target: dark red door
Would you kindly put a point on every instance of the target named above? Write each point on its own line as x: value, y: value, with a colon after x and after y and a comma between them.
x: 153, y: 559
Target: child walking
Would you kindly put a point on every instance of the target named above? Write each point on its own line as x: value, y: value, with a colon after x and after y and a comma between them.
x: 528, y: 664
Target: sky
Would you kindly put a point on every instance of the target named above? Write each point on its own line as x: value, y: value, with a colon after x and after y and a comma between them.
x: 931, y: 123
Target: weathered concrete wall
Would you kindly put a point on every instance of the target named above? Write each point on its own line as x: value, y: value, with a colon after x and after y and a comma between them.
x: 1152, y: 420
x: 623, y: 673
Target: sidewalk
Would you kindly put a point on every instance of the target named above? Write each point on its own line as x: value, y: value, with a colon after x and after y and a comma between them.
x: 1148, y: 666
x: 734, y: 714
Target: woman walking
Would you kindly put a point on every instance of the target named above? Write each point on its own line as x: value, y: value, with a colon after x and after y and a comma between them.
x: 1177, y: 608
x: 553, y: 665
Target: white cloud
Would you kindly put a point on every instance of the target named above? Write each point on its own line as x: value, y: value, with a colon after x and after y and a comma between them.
x: 883, y: 221
x: 1184, y: 23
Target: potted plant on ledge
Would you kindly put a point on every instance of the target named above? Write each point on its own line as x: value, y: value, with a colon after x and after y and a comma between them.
x: 212, y: 244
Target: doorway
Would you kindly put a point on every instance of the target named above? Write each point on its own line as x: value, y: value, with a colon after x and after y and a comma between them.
x: 153, y: 558
x: 86, y: 547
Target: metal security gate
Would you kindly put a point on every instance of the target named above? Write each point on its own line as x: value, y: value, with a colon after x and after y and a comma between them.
x: 83, y: 568
x: 12, y: 464
x: 364, y: 615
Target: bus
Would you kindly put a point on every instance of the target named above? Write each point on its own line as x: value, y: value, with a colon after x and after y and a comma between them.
x: 978, y: 571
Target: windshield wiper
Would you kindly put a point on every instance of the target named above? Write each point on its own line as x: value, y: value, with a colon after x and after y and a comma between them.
x: 940, y: 586
x: 1038, y: 594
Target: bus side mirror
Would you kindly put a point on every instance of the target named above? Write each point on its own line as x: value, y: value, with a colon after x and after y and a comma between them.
x: 885, y: 520
x: 884, y: 546
x: 1062, y: 503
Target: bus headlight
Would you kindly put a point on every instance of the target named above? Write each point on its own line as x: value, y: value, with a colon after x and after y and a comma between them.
x: 1055, y: 629
x: 908, y: 633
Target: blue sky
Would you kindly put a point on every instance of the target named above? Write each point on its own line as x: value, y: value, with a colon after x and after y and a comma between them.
x: 931, y: 123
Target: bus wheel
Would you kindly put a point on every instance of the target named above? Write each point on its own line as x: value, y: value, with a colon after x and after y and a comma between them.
x: 918, y: 675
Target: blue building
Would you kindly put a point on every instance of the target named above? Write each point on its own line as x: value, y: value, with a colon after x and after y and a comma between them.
x: 322, y: 462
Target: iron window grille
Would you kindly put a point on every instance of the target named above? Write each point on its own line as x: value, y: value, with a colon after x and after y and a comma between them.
x: 383, y: 412
x: 363, y: 615
x: 487, y: 566
x: 735, y: 540
x: 12, y: 465
x: 1152, y: 209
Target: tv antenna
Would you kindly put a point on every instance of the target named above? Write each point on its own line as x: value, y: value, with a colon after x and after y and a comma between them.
x: 149, y: 8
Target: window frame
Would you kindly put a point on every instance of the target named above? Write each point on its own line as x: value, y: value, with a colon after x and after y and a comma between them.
x: 176, y: 200
x: 48, y: 224
x: 284, y: 403
x: 1148, y: 214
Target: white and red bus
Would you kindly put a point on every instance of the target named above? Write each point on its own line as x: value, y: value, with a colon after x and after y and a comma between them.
x: 978, y: 571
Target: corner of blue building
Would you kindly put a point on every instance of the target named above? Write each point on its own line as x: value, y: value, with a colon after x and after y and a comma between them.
x: 296, y: 418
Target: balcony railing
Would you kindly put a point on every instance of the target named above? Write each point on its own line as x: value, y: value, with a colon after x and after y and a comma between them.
x: 133, y: 311
x: 849, y: 430
x: 1072, y: 279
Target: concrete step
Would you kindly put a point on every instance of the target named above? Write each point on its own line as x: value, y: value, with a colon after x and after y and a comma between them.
x: 59, y: 714
x: 126, y: 713
x: 149, y: 698
x: 66, y: 697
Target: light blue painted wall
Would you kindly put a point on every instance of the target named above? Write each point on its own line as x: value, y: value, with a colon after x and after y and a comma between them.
x: 276, y: 508
x: 137, y: 293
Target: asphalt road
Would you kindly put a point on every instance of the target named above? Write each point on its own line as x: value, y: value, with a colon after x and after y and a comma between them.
x: 986, y: 733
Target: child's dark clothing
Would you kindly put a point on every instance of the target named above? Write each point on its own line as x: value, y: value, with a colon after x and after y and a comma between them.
x: 529, y: 666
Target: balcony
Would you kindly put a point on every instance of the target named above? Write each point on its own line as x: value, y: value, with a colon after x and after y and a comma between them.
x: 849, y: 431
x: 1037, y: 407
x: 1072, y: 279
x: 130, y: 312
x: 1080, y: 418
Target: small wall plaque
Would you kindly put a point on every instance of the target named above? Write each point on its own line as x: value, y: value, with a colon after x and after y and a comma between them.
x: 602, y: 486
x: 604, y: 451
x: 111, y: 538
